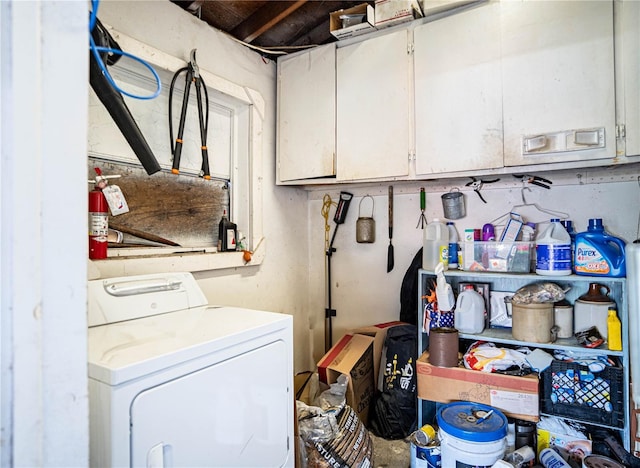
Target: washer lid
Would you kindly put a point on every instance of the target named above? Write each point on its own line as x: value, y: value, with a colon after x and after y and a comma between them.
x: 119, y: 352
x: 473, y: 422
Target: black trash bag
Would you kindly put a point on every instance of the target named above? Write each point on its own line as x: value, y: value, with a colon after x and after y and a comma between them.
x: 409, y: 291
x: 393, y: 414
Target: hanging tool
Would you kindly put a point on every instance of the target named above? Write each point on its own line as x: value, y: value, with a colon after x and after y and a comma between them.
x: 535, y: 180
x: 390, y: 249
x: 477, y: 184
x: 192, y: 76
x: 339, y: 217
x: 143, y: 235
x: 423, y: 204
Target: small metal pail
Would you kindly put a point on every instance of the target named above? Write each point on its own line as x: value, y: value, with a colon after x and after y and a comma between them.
x: 453, y: 204
x: 365, y: 226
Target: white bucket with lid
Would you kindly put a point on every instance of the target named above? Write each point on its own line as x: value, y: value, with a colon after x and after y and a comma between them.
x: 471, y: 434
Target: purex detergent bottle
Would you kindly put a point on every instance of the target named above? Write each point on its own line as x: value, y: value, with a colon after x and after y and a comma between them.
x: 598, y: 253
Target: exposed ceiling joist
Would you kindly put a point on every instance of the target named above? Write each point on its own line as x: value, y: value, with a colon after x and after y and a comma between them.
x: 268, y: 16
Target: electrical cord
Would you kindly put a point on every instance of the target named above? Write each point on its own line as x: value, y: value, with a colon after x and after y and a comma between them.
x: 96, y: 50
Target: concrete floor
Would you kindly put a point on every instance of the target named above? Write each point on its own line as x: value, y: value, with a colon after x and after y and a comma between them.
x: 390, y: 453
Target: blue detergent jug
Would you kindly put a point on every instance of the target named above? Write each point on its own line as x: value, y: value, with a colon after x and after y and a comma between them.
x: 598, y: 253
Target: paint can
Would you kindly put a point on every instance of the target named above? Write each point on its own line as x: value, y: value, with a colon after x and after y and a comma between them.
x: 471, y: 434
x: 453, y: 204
x: 443, y: 347
x: 425, y: 454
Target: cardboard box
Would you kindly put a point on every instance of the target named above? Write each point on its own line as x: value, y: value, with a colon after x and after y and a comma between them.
x: 367, y: 26
x: 516, y: 397
x: 353, y: 356
x: 392, y: 12
x: 379, y: 334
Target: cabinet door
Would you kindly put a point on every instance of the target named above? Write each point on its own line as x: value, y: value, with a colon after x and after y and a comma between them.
x: 558, y: 75
x: 373, y: 108
x: 306, y: 115
x: 458, y: 92
x: 628, y: 70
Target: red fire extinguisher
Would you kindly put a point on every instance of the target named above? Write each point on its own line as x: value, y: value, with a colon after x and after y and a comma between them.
x: 98, y: 218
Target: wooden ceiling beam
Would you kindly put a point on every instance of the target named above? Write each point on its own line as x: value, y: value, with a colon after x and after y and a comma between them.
x: 265, y: 18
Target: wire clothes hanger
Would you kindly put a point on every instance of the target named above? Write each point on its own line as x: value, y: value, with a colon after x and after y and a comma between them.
x: 513, y: 211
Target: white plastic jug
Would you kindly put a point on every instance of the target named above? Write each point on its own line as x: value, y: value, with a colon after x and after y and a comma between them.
x: 436, y: 245
x: 553, y: 250
x: 469, y: 313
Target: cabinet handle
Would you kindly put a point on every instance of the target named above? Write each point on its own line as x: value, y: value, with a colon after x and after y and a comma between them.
x: 563, y: 141
x: 587, y: 137
x: 155, y: 456
x: 535, y: 143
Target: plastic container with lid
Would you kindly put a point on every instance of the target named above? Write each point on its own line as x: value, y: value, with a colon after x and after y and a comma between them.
x: 597, y: 253
x: 436, y: 245
x: 553, y: 250
x: 469, y: 312
x: 471, y: 434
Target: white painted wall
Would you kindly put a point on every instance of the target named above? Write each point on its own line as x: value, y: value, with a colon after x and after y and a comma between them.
x: 363, y: 293
x: 280, y: 284
x: 43, y: 196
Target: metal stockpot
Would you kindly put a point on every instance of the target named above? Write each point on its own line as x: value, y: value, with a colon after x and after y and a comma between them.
x: 365, y: 225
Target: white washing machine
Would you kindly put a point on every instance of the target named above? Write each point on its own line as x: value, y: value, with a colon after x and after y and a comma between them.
x: 176, y: 382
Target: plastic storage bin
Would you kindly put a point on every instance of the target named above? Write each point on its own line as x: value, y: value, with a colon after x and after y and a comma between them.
x: 512, y: 257
x: 573, y: 391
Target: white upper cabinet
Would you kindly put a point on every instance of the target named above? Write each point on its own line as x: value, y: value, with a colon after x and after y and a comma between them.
x: 307, y: 115
x: 558, y: 81
x: 458, y: 92
x: 374, y: 104
x: 628, y: 76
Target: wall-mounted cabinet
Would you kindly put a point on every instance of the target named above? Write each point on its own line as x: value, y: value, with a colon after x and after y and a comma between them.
x: 627, y: 15
x: 307, y: 115
x: 373, y: 108
x: 496, y: 87
x: 458, y: 92
x: 558, y: 81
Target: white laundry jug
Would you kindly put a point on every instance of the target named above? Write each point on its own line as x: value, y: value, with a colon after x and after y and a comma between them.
x: 469, y: 313
x: 436, y: 245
